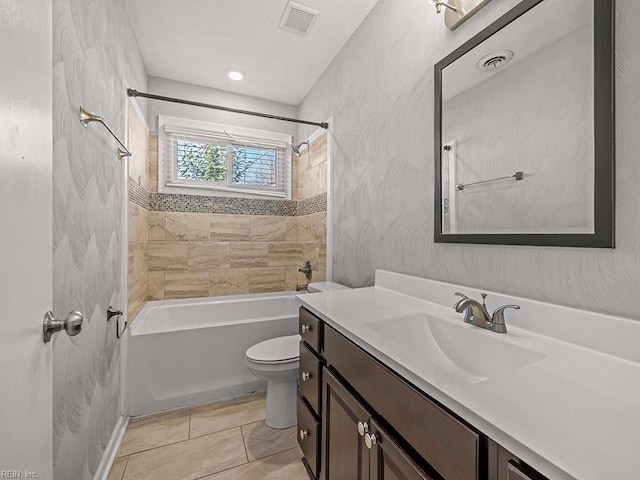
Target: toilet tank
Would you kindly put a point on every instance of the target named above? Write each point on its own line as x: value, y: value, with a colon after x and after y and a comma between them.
x: 316, y: 287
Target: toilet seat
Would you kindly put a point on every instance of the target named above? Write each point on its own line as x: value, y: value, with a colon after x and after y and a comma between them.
x: 275, y: 350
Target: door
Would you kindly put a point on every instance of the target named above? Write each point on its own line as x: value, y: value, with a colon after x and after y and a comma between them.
x: 25, y: 238
x: 344, y: 423
x: 388, y: 460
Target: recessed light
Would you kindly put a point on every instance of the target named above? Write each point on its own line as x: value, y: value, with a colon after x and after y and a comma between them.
x: 236, y: 75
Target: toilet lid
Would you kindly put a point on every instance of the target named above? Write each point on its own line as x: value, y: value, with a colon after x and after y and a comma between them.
x: 274, y: 350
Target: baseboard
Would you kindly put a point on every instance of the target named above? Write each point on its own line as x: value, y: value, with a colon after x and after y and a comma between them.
x: 109, y: 454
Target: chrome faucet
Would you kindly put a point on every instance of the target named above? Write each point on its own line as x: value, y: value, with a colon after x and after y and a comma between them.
x: 306, y: 269
x: 476, y: 313
x: 308, y: 272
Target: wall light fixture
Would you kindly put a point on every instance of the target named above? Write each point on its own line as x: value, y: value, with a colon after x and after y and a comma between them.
x: 456, y: 12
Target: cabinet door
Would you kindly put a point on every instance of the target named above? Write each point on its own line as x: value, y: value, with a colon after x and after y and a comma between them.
x: 388, y: 460
x: 344, y: 423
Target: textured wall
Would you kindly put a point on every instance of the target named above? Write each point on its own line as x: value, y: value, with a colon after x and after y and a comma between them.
x: 379, y: 91
x: 510, y: 122
x: 94, y: 48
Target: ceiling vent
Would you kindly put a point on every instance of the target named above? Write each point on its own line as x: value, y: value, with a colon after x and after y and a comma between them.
x: 495, y: 61
x: 298, y: 18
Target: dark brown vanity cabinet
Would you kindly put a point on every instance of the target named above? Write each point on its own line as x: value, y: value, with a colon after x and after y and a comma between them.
x: 448, y: 445
x: 355, y: 446
x: 309, y: 391
x: 388, y: 460
x: 310, y: 329
x: 345, y: 422
x: 309, y: 437
x: 503, y: 465
x: 309, y: 385
x: 359, y: 420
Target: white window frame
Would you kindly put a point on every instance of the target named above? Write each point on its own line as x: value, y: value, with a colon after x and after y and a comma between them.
x: 168, y: 182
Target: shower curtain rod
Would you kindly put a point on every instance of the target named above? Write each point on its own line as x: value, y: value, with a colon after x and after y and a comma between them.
x: 134, y: 93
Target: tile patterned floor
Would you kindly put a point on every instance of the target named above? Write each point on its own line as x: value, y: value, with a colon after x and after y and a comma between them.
x: 225, y: 440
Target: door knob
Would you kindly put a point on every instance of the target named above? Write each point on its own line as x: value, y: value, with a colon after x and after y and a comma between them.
x: 370, y: 440
x: 306, y: 376
x: 305, y: 328
x: 304, y: 434
x: 72, y: 324
x: 363, y: 428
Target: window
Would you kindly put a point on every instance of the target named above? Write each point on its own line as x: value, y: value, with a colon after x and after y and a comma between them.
x: 210, y: 159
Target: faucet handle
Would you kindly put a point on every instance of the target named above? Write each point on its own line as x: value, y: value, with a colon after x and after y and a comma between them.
x: 497, y: 319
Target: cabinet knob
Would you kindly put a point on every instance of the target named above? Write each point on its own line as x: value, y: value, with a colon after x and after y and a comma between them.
x: 306, y: 376
x: 363, y: 428
x: 304, y: 434
x: 370, y: 440
x: 305, y: 328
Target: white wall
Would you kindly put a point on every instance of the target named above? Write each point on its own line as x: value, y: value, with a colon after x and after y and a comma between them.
x: 187, y: 91
x: 379, y: 90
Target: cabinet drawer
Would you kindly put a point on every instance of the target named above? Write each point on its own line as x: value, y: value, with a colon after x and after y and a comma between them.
x: 447, y: 444
x: 309, y: 328
x: 309, y: 379
x: 308, y: 436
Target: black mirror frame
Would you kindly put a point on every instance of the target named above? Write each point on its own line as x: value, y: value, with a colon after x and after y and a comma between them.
x: 604, y: 131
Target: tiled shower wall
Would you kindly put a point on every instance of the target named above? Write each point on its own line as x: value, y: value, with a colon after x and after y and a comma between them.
x: 138, y: 212
x: 310, y: 170
x: 198, y: 247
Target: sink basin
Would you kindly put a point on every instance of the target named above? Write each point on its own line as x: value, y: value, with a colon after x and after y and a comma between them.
x: 477, y: 354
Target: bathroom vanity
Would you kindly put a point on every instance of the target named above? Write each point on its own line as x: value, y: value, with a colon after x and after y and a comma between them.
x: 394, y: 385
x: 376, y: 425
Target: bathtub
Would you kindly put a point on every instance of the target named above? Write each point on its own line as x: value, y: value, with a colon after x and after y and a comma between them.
x: 185, y: 352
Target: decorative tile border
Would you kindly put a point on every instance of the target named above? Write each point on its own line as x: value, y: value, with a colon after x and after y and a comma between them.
x: 163, y: 202
x: 138, y: 195
x: 312, y: 205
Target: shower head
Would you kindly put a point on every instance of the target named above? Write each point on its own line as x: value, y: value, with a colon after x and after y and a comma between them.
x: 296, y: 148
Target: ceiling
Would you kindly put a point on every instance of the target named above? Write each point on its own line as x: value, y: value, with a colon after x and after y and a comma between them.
x: 198, y: 41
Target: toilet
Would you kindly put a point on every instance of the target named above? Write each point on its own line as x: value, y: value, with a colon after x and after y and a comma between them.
x: 277, y: 361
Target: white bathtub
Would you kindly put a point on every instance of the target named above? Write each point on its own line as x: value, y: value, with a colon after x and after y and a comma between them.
x: 185, y: 352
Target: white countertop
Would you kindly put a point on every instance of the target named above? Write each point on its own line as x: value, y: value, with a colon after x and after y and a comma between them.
x: 575, y: 414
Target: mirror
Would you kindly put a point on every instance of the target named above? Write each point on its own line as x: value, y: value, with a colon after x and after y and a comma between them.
x: 524, y: 129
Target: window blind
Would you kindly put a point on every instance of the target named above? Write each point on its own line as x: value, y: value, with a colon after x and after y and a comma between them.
x: 225, y: 160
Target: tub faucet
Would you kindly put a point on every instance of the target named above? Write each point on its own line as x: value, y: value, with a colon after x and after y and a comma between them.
x: 307, y: 270
x: 476, y: 313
